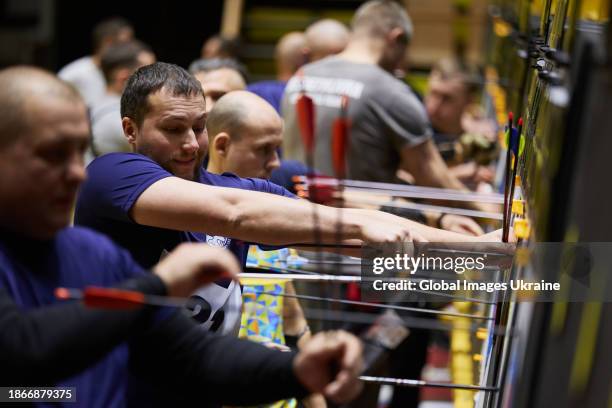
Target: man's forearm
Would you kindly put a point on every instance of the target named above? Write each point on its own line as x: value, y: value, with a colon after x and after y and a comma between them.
x: 186, y: 365
x: 429, y: 233
x: 48, y: 344
x: 425, y: 164
x: 251, y: 216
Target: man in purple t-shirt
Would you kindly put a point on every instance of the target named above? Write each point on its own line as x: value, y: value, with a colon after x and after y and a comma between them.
x: 148, y: 201
x: 160, y: 196
x: 138, y: 357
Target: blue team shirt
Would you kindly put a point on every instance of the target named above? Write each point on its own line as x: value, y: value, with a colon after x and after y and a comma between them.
x: 114, y: 183
x: 283, y: 175
x: 30, y: 270
x: 271, y: 91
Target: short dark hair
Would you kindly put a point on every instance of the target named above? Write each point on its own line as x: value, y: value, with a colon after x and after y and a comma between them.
x: 108, y: 28
x: 213, y: 64
x: 378, y: 17
x: 122, y: 55
x: 150, y: 79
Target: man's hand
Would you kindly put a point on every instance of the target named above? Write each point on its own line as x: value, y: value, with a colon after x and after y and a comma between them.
x: 330, y: 363
x: 460, y: 224
x: 380, y: 227
x: 275, y: 346
x: 192, y: 265
x: 472, y: 173
x: 496, y: 236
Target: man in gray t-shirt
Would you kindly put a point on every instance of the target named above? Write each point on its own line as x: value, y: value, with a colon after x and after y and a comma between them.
x: 389, y: 126
x: 387, y: 117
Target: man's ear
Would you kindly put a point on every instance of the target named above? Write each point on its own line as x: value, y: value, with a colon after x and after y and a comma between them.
x: 306, y: 55
x: 129, y: 130
x: 220, y: 144
x: 396, y: 35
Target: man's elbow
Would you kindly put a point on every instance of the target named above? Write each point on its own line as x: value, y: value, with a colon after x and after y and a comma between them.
x: 235, y: 217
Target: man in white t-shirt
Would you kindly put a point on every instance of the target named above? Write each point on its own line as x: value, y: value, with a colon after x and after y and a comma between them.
x: 118, y: 62
x: 85, y: 73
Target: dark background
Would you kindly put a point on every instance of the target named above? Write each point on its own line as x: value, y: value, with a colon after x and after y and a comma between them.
x: 175, y: 29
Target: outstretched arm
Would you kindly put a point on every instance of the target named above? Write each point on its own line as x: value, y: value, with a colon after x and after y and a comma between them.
x: 424, y: 162
x: 183, y: 205
x: 46, y: 345
x: 424, y: 232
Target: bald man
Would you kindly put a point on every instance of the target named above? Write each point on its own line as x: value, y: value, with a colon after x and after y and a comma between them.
x: 244, y: 133
x: 289, y: 56
x: 324, y: 38
x: 136, y: 357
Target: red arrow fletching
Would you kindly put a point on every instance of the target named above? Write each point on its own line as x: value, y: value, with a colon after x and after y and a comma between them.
x: 111, y: 298
x: 339, y: 145
x: 340, y: 139
x: 305, y: 117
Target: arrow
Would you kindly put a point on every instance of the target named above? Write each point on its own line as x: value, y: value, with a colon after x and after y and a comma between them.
x: 403, y: 382
x: 397, y: 190
x: 516, y: 148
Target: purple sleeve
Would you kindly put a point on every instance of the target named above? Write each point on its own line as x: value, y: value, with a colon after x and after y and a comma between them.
x: 253, y: 184
x: 269, y: 187
x: 114, y: 183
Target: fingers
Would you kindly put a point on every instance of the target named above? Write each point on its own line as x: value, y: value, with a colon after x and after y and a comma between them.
x: 331, y: 363
x: 314, y: 401
x: 346, y: 385
x: 416, y: 237
x: 353, y: 350
x: 461, y: 224
x: 224, y: 261
x: 344, y: 389
x: 208, y: 263
x: 190, y: 266
x: 472, y: 228
x: 495, y: 236
x: 276, y: 346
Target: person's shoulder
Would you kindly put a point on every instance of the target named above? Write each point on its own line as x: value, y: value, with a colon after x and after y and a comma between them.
x: 231, y: 180
x: 108, y: 104
x: 119, y: 171
x: 265, y: 85
x: 85, y: 239
x: 220, y: 180
x: 106, y: 259
x: 389, y: 91
x: 76, y: 67
x: 265, y: 186
x: 331, y: 60
x: 228, y: 179
x: 112, y: 160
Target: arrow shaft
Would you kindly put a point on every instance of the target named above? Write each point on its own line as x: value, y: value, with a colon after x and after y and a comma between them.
x: 455, y: 196
x: 377, y: 305
x: 398, y: 190
x: 432, y: 208
x: 404, y: 382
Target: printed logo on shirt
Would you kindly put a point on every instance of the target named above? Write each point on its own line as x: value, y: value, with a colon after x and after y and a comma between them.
x: 218, y: 241
x: 324, y: 91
